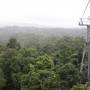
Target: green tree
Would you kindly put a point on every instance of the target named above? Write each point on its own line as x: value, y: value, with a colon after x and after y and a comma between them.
x: 6, y: 61
x: 69, y: 76
x: 81, y: 87
x: 41, y: 75
x: 13, y: 44
x: 2, y: 79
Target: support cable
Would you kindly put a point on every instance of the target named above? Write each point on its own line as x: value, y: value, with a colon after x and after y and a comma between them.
x: 85, y: 8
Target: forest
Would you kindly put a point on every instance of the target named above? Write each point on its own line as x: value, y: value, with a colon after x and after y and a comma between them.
x: 53, y: 65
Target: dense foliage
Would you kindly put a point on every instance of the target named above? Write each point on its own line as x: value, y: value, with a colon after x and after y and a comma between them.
x: 53, y: 66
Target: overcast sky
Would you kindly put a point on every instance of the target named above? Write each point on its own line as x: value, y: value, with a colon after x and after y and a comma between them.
x: 56, y: 13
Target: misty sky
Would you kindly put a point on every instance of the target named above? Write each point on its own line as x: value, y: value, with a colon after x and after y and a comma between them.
x: 56, y: 13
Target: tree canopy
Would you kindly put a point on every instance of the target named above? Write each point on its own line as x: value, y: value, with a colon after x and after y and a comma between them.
x: 53, y: 65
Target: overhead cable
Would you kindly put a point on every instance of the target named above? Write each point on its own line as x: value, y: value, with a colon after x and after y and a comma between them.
x: 85, y: 8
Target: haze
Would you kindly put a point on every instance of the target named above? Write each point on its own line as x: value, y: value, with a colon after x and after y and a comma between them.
x: 53, y: 13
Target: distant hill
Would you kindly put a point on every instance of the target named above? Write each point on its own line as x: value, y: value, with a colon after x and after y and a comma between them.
x: 26, y: 33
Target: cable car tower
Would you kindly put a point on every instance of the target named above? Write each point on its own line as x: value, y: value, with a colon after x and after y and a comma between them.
x: 85, y: 64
